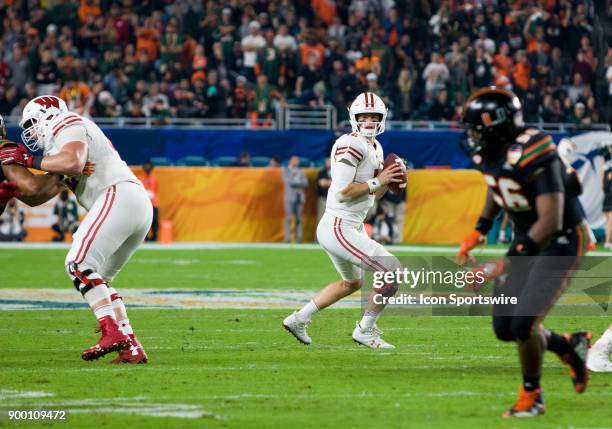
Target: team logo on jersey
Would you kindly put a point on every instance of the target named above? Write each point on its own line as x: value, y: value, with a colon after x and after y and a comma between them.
x: 514, y: 154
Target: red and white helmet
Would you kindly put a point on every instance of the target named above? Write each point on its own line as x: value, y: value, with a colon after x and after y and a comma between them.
x: 368, y: 102
x: 35, y: 113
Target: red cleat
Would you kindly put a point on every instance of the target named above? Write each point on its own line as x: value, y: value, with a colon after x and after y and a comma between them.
x: 112, y: 340
x: 134, y: 354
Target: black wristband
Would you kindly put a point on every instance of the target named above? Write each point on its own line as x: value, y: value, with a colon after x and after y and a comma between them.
x: 36, y: 162
x: 484, y: 225
x: 523, y: 246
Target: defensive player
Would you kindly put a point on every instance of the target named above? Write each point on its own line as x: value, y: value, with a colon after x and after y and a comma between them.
x: 525, y: 176
x: 357, y: 180
x: 17, y: 181
x: 119, y: 213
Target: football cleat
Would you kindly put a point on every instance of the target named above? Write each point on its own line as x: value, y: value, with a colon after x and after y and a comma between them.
x: 134, y: 354
x: 297, y: 328
x: 529, y: 404
x: 598, y: 359
x: 576, y: 359
x: 112, y: 340
x: 370, y: 338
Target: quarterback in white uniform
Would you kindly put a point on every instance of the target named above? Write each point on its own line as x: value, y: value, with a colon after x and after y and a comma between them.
x: 357, y: 181
x: 119, y: 213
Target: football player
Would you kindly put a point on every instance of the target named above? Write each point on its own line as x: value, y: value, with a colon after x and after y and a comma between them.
x: 357, y: 179
x: 526, y: 177
x: 119, y: 213
x: 17, y: 181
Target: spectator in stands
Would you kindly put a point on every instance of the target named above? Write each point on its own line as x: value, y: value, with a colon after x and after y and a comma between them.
x: 436, y: 75
x: 403, y: 96
x: 323, y: 184
x: 309, y: 75
x: 262, y: 103
x: 575, y: 90
x: 471, y: 47
x: 11, y: 223
x: 295, y: 182
x: 19, y: 66
x: 441, y: 110
x: 151, y: 184
x: 78, y: 96
x: 250, y: 44
x: 67, y: 216
x: 47, y: 73
x: 215, y: 96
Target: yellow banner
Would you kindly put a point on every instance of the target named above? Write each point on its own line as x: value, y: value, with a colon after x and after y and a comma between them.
x: 443, y: 205
x: 229, y: 204
x: 246, y: 205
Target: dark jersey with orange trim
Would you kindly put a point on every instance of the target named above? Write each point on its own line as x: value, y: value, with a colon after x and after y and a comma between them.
x: 530, y: 168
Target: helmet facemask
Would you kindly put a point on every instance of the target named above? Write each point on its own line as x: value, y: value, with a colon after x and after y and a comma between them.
x: 32, y: 135
x: 373, y: 129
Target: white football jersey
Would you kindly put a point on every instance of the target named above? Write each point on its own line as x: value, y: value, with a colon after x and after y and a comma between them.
x: 109, y: 168
x: 368, y: 158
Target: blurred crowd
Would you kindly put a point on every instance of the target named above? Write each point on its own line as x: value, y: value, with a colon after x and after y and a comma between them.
x: 240, y: 58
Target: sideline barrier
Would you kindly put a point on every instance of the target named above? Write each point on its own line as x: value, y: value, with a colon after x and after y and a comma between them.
x: 246, y: 205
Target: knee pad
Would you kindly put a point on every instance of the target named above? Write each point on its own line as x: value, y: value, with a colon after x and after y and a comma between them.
x: 522, y: 327
x: 83, y: 278
x: 503, y: 329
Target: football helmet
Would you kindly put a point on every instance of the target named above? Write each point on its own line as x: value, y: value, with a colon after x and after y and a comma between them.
x: 368, y: 102
x: 35, y: 113
x: 492, y: 118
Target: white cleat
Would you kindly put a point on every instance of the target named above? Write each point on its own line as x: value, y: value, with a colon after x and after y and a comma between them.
x: 297, y: 328
x: 370, y: 338
x: 598, y: 359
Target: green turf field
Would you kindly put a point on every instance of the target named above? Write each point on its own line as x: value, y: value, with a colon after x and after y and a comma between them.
x: 237, y: 368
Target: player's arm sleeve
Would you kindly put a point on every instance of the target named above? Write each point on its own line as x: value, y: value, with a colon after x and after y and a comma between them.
x: 549, y: 178
x: 344, y: 175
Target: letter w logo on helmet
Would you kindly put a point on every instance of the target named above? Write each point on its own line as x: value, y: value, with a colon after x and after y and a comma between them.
x: 47, y: 102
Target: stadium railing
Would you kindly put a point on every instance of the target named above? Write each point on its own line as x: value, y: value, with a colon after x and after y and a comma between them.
x: 295, y: 117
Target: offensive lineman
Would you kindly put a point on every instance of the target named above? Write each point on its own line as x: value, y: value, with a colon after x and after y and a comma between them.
x: 119, y: 213
x: 357, y: 180
x: 525, y: 176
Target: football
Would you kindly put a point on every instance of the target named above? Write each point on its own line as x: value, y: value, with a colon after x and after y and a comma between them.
x: 396, y: 187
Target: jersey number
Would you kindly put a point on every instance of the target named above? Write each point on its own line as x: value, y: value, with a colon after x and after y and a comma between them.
x: 507, y: 193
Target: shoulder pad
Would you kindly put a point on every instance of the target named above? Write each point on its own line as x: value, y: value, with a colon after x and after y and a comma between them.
x: 351, y: 147
x: 531, y: 148
x: 63, y: 120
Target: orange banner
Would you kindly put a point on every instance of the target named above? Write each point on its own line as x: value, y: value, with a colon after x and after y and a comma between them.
x: 443, y: 205
x: 246, y: 205
x: 229, y: 204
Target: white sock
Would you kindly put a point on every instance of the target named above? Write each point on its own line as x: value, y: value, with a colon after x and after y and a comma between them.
x: 368, y: 320
x: 97, y: 294
x: 104, y: 311
x: 124, y: 325
x: 307, y: 311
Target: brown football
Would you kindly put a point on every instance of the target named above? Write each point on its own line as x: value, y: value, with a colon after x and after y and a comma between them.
x: 396, y: 187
